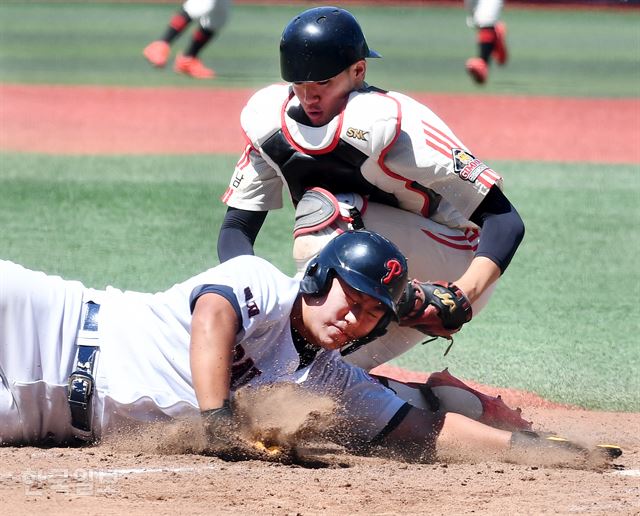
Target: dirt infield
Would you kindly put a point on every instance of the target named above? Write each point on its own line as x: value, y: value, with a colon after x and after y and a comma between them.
x: 140, y: 473
x: 131, y: 475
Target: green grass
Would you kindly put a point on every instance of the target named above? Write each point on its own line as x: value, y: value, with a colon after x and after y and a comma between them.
x: 140, y: 223
x: 556, y: 52
x: 563, y: 321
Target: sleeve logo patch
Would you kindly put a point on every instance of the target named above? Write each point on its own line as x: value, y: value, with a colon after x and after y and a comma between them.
x: 466, y: 165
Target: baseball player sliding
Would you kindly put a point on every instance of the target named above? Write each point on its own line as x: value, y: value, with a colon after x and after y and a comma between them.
x: 78, y: 363
x: 353, y: 155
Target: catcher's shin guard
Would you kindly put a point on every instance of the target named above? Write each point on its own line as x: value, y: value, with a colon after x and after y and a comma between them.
x: 320, y: 217
x: 444, y: 392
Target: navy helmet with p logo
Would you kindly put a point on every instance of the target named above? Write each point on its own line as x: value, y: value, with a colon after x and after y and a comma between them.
x: 366, y: 261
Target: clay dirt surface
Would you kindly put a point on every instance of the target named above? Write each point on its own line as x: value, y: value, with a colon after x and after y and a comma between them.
x: 159, y: 470
x: 136, y: 474
x: 100, y: 120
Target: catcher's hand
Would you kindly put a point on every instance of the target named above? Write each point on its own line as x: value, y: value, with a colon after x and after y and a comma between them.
x: 438, y: 309
x: 224, y: 439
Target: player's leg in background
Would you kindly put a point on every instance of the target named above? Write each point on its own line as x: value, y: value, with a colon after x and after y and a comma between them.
x: 212, y: 15
x: 484, y: 17
x: 157, y: 52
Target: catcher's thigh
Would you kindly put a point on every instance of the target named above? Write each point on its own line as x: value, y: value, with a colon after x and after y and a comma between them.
x: 435, y: 252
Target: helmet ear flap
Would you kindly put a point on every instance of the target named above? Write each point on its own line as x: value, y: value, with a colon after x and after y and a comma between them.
x: 312, y: 270
x: 316, y: 279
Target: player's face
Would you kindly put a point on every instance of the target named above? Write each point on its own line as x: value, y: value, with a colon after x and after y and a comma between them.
x: 323, y: 100
x: 340, y: 316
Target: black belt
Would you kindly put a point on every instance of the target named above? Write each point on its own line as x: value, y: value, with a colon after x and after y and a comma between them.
x: 81, y: 382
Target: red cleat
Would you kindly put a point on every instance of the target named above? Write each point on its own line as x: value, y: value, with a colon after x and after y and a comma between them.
x: 157, y: 53
x: 193, y: 67
x: 478, y: 69
x: 500, y: 53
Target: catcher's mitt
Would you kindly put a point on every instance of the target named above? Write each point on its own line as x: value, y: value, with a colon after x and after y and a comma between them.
x: 438, y: 309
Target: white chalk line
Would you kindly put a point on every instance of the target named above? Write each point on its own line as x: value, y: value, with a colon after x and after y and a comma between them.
x: 628, y: 472
x: 197, y: 469
x: 83, y: 473
x: 122, y: 472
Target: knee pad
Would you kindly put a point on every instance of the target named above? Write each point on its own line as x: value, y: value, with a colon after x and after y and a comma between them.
x: 321, y: 216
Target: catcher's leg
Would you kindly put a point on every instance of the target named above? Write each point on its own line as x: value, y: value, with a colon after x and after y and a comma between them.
x: 435, y: 252
x: 444, y: 392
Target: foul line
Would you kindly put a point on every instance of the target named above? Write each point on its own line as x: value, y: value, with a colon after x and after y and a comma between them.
x: 628, y: 472
x: 144, y: 471
x: 120, y: 472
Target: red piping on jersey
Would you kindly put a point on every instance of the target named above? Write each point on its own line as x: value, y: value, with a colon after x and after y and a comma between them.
x: 488, y: 177
x: 472, y: 234
x: 225, y: 196
x: 440, y: 138
x: 285, y: 130
x: 452, y: 140
x: 448, y: 243
x: 464, y: 237
x: 424, y: 211
x: 243, y: 162
x: 244, y: 159
x: 436, y: 148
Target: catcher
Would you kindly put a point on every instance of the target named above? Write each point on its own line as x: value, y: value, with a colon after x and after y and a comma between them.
x: 78, y: 363
x: 352, y: 155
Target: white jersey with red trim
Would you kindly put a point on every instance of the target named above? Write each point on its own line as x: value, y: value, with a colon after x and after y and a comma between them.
x: 393, y: 151
x: 383, y: 145
x: 143, y: 372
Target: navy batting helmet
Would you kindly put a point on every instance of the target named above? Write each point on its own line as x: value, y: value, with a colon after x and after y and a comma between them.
x: 366, y: 261
x: 320, y: 43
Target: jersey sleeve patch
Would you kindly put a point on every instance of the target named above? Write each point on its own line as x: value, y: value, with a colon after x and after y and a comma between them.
x: 471, y: 169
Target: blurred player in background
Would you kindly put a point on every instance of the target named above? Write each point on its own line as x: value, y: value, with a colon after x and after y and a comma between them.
x: 484, y: 16
x: 211, y: 16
